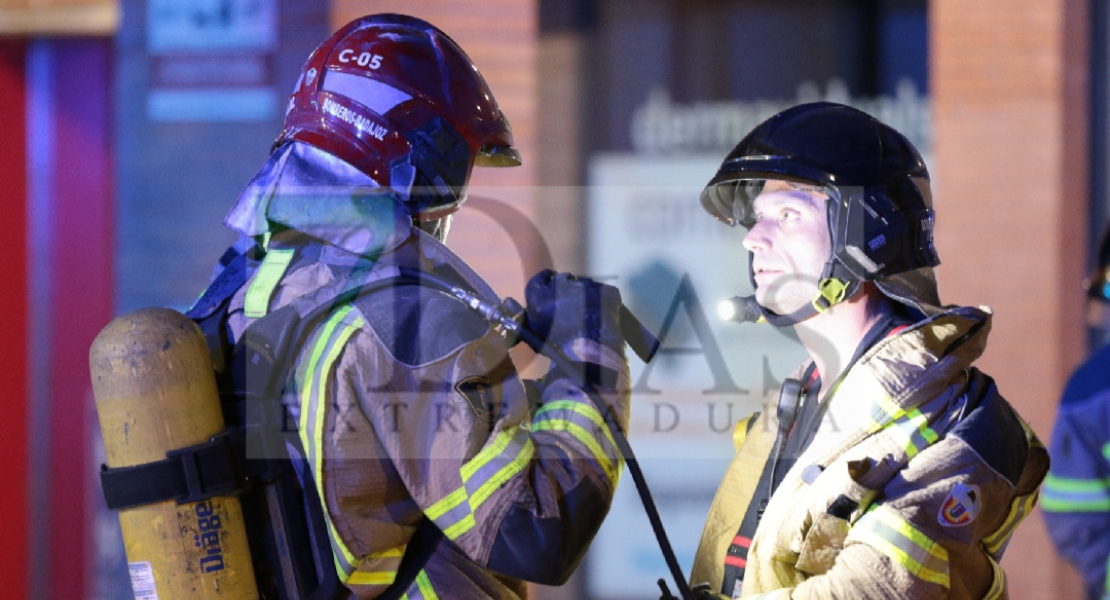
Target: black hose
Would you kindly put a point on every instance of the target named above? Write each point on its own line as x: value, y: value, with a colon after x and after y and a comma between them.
x: 625, y: 449
x: 639, y: 338
x: 497, y: 317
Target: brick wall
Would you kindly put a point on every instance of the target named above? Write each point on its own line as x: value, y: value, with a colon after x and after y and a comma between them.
x: 1009, y: 85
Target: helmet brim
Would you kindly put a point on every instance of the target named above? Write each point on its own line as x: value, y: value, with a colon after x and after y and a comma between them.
x: 497, y: 156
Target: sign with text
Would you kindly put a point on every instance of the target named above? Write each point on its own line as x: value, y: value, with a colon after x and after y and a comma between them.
x: 211, y: 60
x: 674, y: 263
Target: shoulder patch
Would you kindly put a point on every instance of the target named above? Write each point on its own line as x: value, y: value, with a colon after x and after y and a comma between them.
x: 992, y: 428
x: 960, y: 506
x: 420, y: 325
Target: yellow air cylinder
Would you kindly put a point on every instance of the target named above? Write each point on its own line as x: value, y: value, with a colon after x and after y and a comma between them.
x: 156, y: 392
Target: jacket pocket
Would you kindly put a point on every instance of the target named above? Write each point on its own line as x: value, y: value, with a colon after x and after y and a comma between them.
x: 822, y: 544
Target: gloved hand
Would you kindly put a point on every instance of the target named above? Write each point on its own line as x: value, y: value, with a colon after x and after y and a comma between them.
x: 562, y: 308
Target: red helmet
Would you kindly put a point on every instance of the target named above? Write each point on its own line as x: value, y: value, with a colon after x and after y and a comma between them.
x: 400, y: 101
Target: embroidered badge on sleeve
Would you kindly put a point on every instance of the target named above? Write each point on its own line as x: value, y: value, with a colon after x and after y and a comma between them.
x: 961, y: 506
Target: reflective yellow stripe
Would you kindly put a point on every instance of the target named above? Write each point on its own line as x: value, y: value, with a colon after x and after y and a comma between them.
x: 581, y: 408
x: 424, y: 584
x: 311, y: 384
x: 503, y: 474
x: 1019, y: 508
x: 904, y: 439
x: 583, y: 436
x: 448, y: 502
x: 915, y: 425
x: 377, y: 577
x: 889, y: 408
x: 464, y: 525
x: 257, y: 301
x: 471, y: 467
x: 922, y: 425
x: 313, y: 403
x: 905, y: 544
x: 318, y: 434
x: 371, y: 578
x: 397, y: 552
x: 468, y: 470
x: 998, y: 581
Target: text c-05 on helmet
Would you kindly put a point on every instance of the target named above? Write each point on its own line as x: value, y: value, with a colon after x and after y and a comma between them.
x: 880, y: 205
x: 400, y: 101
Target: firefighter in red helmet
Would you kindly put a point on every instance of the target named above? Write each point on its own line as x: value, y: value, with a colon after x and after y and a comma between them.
x: 436, y: 470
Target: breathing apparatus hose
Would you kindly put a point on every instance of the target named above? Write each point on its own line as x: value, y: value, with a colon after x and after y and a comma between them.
x: 505, y: 316
x: 639, y: 339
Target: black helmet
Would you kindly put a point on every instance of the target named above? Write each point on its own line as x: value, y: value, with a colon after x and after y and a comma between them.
x: 880, y: 206
x: 1098, y: 285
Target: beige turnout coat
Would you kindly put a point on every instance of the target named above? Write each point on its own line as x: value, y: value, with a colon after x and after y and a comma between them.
x: 916, y: 479
x: 407, y: 405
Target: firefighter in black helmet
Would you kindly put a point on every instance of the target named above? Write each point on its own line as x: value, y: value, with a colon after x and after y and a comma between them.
x: 894, y: 467
x: 1076, y: 498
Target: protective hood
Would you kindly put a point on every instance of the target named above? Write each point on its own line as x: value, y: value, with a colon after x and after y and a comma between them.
x: 916, y: 289
x: 303, y: 188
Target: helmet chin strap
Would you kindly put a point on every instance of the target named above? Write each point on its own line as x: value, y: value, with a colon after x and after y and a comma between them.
x: 437, y: 228
x: 837, y: 284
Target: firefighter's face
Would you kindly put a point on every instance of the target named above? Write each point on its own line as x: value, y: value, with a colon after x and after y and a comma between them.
x: 789, y: 244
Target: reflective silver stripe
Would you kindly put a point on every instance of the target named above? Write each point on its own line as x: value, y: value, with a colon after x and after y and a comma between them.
x: 913, y: 432
x: 904, y: 544
x: 884, y: 411
x: 582, y: 413
x: 384, y: 565
x: 378, y: 96
x: 314, y: 404
x: 496, y: 464
x: 585, y: 424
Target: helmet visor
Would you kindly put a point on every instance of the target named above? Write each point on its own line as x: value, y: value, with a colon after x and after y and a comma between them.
x: 732, y: 201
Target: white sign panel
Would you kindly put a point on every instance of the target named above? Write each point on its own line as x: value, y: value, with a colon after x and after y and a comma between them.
x: 674, y: 263
x: 211, y: 25
x: 211, y: 60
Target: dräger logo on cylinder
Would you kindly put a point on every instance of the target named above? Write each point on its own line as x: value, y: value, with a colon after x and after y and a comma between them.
x: 208, y: 540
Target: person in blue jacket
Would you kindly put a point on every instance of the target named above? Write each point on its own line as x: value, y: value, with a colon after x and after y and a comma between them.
x: 1076, y: 494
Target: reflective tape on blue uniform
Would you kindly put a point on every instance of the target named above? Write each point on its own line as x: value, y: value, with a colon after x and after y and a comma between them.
x: 1063, y: 494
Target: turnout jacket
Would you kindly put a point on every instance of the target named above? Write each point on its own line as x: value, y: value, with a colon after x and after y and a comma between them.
x: 407, y: 404
x: 911, y: 488
x: 1076, y: 499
